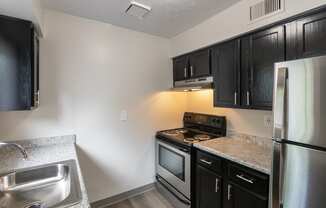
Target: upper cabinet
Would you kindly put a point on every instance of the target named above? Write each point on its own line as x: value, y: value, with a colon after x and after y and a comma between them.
x: 180, y: 68
x: 306, y: 37
x: 199, y: 64
x: 225, y: 69
x: 191, y: 66
x: 18, y: 65
x: 243, y: 69
x: 265, y: 48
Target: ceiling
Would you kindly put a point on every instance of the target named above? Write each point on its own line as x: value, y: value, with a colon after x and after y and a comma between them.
x: 168, y: 18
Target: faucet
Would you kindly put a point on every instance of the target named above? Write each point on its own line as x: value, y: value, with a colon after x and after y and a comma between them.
x: 17, y: 146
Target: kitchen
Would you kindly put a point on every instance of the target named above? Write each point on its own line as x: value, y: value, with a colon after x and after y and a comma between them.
x: 109, y: 85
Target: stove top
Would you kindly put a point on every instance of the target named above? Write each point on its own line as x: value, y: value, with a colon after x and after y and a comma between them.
x: 187, y: 136
x: 197, y: 128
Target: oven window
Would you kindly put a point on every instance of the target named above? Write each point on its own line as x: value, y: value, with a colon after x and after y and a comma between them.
x: 172, y: 161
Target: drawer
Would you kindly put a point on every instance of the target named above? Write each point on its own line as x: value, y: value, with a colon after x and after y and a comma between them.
x: 209, y: 161
x: 250, y: 179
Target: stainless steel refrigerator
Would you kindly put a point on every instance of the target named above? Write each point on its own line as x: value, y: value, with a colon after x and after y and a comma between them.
x: 299, y: 147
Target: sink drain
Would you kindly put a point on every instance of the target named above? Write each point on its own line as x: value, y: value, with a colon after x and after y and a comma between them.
x: 35, y: 205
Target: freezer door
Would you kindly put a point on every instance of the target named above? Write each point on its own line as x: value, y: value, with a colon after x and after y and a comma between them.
x: 300, y: 177
x: 300, y: 101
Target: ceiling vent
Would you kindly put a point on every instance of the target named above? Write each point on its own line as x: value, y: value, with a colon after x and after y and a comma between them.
x: 265, y: 8
x: 138, y: 10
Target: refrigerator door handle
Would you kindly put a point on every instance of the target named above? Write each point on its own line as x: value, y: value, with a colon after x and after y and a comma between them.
x: 280, y: 97
x: 277, y: 175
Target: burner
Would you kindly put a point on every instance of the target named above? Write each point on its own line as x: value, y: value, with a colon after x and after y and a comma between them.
x: 191, y: 140
x: 202, y: 137
x: 175, y: 131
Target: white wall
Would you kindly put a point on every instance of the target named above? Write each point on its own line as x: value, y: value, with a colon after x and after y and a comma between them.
x: 244, y: 121
x: 231, y: 22
x: 90, y: 71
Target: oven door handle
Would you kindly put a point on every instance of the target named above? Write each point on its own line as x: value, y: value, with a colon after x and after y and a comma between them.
x: 167, y: 186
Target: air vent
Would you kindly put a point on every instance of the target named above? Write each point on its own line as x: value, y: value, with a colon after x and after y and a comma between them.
x: 265, y: 8
x: 138, y: 10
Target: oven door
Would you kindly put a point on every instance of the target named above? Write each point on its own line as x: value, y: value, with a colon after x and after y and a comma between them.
x: 173, y: 165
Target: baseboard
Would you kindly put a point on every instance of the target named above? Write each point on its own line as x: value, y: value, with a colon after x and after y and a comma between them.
x: 123, y: 196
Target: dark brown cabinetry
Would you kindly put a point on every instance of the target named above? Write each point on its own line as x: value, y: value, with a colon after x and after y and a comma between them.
x: 242, y: 198
x: 209, y: 188
x: 221, y: 183
x: 245, y: 188
x: 265, y: 48
x: 180, y: 68
x: 225, y: 70
x: 306, y: 37
x: 195, y: 65
x: 199, y: 64
x: 18, y: 65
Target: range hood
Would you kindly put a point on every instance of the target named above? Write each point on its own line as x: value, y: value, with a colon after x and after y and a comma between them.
x: 195, y: 84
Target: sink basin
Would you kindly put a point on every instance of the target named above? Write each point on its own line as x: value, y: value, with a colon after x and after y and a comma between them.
x: 47, y: 186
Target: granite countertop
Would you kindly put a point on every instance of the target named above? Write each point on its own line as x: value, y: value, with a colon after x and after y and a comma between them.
x: 247, y: 152
x: 44, y: 151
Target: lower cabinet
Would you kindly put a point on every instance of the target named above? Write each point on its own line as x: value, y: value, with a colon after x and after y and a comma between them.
x: 224, y: 184
x: 238, y: 197
x: 209, y: 188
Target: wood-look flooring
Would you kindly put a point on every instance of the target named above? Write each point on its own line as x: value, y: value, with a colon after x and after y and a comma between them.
x: 150, y: 199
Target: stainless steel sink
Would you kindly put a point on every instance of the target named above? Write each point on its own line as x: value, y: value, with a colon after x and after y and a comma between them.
x: 47, y: 186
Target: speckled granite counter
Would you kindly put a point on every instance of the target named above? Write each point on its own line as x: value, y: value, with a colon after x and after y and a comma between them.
x: 249, y: 151
x: 43, y: 151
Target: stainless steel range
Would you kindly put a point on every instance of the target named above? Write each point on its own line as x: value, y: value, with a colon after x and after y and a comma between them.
x: 174, y: 154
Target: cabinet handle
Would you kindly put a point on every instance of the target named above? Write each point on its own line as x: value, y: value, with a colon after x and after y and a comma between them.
x: 248, y: 98
x: 185, y: 72
x: 217, y: 185
x: 191, y: 71
x: 229, y: 192
x: 235, y: 98
x: 206, y: 162
x: 242, y: 177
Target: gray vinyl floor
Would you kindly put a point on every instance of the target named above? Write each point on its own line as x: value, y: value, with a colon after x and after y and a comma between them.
x: 150, y: 199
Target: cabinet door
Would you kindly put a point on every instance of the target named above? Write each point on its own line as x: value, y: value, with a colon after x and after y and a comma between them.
x: 267, y: 48
x: 238, y: 197
x: 225, y: 66
x: 311, y: 36
x: 15, y: 64
x: 180, y: 68
x: 199, y: 64
x: 208, y: 189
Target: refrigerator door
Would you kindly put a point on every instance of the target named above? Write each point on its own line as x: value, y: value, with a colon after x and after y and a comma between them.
x: 300, y: 100
x: 299, y: 177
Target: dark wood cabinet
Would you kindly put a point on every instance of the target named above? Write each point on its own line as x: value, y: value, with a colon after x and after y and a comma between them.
x: 266, y: 48
x: 199, y: 64
x: 238, y: 197
x: 222, y: 183
x: 225, y: 70
x: 18, y: 65
x: 194, y: 65
x: 311, y: 33
x: 208, y: 188
x: 180, y: 68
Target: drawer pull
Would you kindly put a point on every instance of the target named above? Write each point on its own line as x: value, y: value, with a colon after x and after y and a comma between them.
x: 217, y: 185
x: 206, y: 162
x: 229, y: 192
x: 242, y: 177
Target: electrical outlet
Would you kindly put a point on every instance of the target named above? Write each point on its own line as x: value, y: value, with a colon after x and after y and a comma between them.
x: 268, y: 121
x: 123, y: 115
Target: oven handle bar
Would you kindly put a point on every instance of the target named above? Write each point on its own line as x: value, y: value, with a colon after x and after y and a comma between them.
x: 167, y: 186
